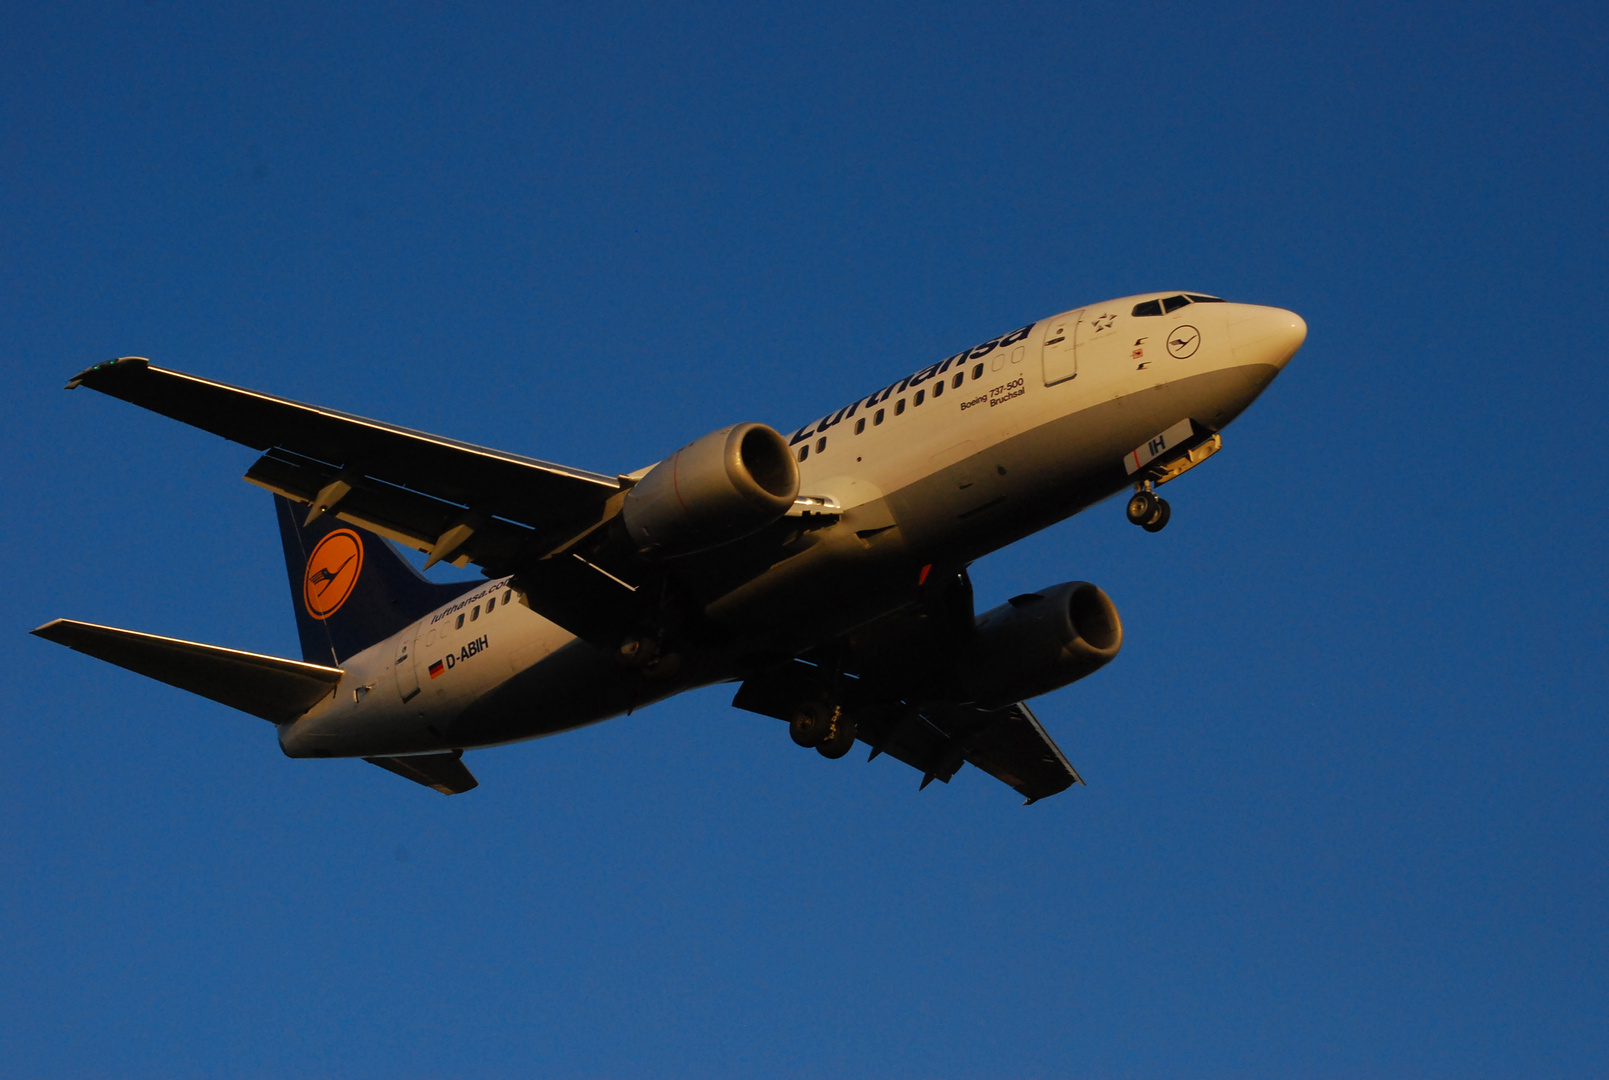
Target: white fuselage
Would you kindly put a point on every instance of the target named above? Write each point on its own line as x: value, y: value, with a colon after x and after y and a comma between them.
x: 1036, y: 427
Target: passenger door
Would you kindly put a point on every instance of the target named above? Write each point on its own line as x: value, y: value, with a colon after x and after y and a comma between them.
x: 1100, y: 342
x: 404, y: 668
x: 1057, y: 352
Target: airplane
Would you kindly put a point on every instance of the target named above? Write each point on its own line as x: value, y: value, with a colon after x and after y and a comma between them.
x: 823, y: 571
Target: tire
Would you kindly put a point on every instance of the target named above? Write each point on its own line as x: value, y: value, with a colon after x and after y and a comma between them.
x: 1160, y: 522
x: 842, y: 739
x: 810, y: 723
x: 1142, y: 507
x: 637, y: 652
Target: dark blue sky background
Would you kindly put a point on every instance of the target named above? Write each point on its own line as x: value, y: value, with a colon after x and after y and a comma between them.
x: 1345, y: 812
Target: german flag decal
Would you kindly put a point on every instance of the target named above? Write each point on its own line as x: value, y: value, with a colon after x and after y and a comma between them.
x: 436, y: 669
x: 332, y: 571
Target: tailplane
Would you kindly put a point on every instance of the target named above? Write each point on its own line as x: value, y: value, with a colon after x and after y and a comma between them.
x: 266, y: 686
x: 350, y: 588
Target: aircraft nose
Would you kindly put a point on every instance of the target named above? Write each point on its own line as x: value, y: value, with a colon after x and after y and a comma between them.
x: 1266, y: 335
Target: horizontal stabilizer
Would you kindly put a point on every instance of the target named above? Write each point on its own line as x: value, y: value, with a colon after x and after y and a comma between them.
x: 266, y: 686
x: 445, y: 772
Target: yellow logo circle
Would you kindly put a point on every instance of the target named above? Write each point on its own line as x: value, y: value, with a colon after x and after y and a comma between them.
x: 332, y: 571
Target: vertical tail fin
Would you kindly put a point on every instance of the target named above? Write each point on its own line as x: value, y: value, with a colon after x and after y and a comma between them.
x: 349, y: 587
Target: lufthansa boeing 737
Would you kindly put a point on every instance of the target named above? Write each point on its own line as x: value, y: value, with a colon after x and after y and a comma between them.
x: 825, y: 571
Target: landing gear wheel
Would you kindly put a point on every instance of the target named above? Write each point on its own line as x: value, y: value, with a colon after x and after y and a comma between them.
x: 810, y: 723
x: 841, y: 740
x: 637, y: 651
x: 1160, y: 521
x: 1143, y: 507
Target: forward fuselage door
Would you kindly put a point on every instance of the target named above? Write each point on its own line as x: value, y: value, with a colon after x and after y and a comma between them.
x: 404, y: 668
x: 1058, y: 353
x: 1100, y: 342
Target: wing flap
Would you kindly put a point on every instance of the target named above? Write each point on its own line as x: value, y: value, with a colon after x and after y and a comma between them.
x: 275, y: 689
x: 408, y: 517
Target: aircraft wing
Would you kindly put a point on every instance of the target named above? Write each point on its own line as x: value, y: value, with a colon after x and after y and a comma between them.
x: 460, y: 502
x: 937, y: 738
x: 1012, y: 746
x: 1009, y: 744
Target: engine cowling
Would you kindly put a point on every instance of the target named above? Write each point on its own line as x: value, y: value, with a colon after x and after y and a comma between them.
x: 1036, y: 643
x: 714, y: 490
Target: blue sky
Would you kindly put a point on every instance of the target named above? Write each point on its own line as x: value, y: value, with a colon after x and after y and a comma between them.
x: 1345, y: 812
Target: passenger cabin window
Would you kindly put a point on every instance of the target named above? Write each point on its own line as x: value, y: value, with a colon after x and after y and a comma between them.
x: 804, y: 451
x: 920, y: 395
x: 878, y: 419
x: 473, y: 615
x: 860, y: 425
x: 491, y: 604
x: 1174, y: 303
x: 977, y: 371
x: 821, y: 444
x: 459, y: 625
x: 507, y: 596
x: 955, y: 383
x: 1150, y: 307
x: 899, y: 406
x: 938, y: 388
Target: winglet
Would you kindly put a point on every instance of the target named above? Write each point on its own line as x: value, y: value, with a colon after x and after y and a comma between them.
x: 108, y: 366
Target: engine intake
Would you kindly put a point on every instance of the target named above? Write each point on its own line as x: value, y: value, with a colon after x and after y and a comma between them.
x: 714, y: 490
x: 1038, y: 642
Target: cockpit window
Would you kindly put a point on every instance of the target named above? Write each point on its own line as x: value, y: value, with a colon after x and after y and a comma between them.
x: 1150, y: 307
x: 1174, y: 303
x: 1206, y: 299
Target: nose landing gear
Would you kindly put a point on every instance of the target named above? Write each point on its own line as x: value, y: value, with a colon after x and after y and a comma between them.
x: 1147, y: 509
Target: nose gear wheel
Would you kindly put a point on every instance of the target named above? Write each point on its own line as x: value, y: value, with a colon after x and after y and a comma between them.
x: 1149, y: 510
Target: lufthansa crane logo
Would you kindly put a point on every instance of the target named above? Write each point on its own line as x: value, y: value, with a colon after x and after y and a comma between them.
x: 1183, y: 342
x: 332, y: 571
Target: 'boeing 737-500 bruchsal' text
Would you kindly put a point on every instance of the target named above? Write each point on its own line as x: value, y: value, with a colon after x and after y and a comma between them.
x: 825, y: 572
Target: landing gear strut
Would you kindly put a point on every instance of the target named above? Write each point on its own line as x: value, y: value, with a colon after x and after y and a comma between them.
x: 1147, y: 509
x: 826, y: 727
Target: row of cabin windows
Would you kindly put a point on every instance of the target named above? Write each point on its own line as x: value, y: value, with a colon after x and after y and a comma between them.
x: 899, y: 407
x: 490, y: 604
x: 1173, y: 303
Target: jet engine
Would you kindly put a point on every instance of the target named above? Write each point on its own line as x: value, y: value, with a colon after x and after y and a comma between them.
x: 712, y: 491
x: 1036, y: 643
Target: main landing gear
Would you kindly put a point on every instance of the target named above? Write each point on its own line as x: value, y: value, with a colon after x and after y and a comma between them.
x: 1147, y: 509
x: 826, y: 727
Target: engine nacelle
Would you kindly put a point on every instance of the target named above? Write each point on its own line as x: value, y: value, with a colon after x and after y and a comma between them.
x: 712, y: 491
x: 1036, y: 643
